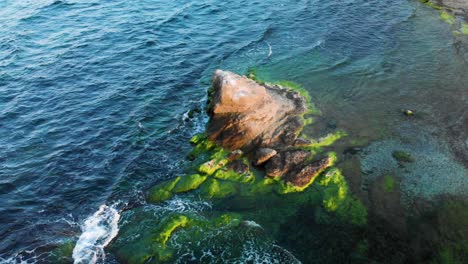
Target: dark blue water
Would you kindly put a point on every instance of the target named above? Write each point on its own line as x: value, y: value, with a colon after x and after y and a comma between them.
x: 94, y: 95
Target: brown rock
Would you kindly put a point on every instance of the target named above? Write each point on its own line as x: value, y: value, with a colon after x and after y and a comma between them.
x: 284, y: 162
x: 235, y: 154
x: 238, y: 166
x: 262, y: 155
x: 302, y: 142
x: 246, y: 115
x: 307, y: 173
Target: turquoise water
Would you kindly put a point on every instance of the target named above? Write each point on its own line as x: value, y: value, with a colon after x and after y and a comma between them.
x: 94, y: 97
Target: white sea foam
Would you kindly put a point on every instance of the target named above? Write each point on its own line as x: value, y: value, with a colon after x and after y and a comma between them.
x: 98, y: 231
x: 270, y: 51
x: 252, y: 224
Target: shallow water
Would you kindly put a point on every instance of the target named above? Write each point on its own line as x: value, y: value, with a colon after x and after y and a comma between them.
x: 94, y: 95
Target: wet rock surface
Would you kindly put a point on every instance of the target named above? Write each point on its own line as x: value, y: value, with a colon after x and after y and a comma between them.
x: 262, y: 155
x: 246, y: 115
x: 263, y: 120
x: 304, y: 176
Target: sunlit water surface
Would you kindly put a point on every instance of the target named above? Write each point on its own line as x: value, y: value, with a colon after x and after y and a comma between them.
x: 94, y: 97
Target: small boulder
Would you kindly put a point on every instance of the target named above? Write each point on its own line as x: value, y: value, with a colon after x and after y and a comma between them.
x: 286, y: 161
x: 307, y: 174
x: 262, y: 155
x: 235, y: 154
x: 300, y: 142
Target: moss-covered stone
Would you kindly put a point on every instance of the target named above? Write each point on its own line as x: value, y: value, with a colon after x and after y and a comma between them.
x: 446, y: 17
x: 163, y: 191
x: 325, y: 141
x: 169, y: 226
x: 63, y: 252
x: 217, y: 161
x: 389, y: 183
x: 232, y: 175
x: 402, y: 156
x: 213, y: 188
x: 252, y: 74
x: 464, y: 28
x: 202, y: 146
x: 189, y: 182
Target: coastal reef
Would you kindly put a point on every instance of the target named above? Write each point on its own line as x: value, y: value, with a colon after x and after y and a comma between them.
x: 252, y: 156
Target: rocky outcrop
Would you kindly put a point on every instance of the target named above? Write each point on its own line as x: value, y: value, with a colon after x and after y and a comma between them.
x: 246, y: 115
x: 263, y: 121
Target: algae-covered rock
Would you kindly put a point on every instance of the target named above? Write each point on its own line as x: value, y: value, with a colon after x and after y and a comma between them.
x: 237, y: 171
x: 389, y: 183
x: 446, y: 17
x: 189, y: 182
x: 169, y: 226
x: 162, y: 191
x: 63, y: 252
x: 213, y: 188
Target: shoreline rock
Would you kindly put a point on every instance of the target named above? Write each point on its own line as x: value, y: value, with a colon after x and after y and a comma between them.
x: 246, y: 115
x: 263, y: 121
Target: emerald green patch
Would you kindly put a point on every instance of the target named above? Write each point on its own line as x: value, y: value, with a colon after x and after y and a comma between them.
x: 162, y: 191
x: 389, y: 183
x: 213, y: 188
x: 189, y: 182
x: 169, y: 226
x: 464, y: 28
x: 446, y: 17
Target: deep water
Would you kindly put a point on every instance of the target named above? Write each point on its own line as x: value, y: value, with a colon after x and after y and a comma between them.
x: 95, y: 99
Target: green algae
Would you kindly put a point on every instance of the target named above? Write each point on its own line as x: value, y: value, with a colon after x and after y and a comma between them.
x: 189, y: 182
x: 63, y: 253
x: 446, y: 17
x: 337, y: 199
x: 201, y: 146
x: 217, y: 161
x: 152, y: 240
x: 252, y: 74
x: 169, y: 227
x: 431, y: 4
x: 293, y: 86
x: 162, y: 191
x: 216, y: 189
x: 231, y: 175
x: 260, y: 186
x: 389, y: 183
x: 326, y: 141
x: 402, y: 156
x: 464, y: 28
